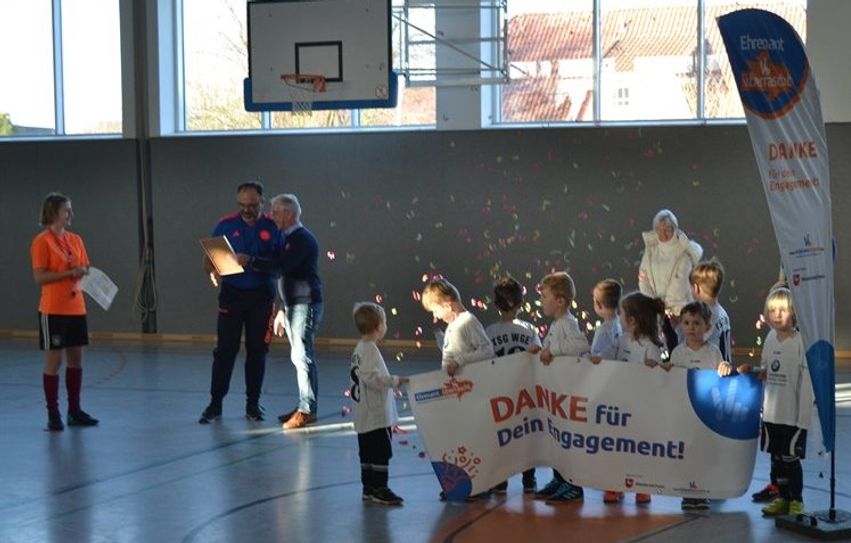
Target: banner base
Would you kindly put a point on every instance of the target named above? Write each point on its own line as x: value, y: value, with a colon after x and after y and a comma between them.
x: 818, y: 525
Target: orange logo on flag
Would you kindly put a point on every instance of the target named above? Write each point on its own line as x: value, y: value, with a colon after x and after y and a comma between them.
x: 767, y: 76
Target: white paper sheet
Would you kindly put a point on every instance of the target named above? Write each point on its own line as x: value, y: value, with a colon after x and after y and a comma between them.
x: 99, y: 286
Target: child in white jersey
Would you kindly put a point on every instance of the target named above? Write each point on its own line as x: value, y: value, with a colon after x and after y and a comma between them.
x: 640, y: 343
x: 695, y: 352
x: 706, y: 280
x: 607, y: 296
x: 508, y: 336
x: 787, y: 402
x: 563, y: 339
x: 465, y: 340
x: 374, y: 408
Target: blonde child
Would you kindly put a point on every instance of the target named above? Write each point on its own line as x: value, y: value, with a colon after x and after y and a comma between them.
x: 706, y: 280
x: 640, y: 343
x: 563, y: 339
x: 787, y: 402
x: 695, y: 352
x: 607, y: 296
x: 508, y: 336
x: 374, y: 408
x: 465, y: 340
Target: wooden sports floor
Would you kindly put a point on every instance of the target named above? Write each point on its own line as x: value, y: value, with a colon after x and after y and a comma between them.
x: 150, y: 473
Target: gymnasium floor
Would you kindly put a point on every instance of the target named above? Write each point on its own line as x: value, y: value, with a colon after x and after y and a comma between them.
x: 151, y: 473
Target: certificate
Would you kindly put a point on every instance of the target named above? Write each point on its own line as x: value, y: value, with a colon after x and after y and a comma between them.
x: 221, y: 255
x: 99, y: 286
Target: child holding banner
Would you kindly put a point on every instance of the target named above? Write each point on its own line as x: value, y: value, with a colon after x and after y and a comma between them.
x: 563, y: 339
x: 787, y: 402
x: 640, y: 343
x: 607, y: 297
x: 695, y: 352
x: 374, y: 409
x: 508, y: 336
x: 706, y: 280
x: 465, y: 340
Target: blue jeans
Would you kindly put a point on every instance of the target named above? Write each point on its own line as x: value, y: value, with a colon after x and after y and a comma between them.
x: 301, y: 325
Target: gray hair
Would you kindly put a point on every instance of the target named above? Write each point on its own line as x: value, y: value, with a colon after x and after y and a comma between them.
x: 665, y: 215
x: 289, y: 202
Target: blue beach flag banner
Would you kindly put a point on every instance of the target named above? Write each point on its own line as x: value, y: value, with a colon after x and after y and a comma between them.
x: 782, y: 108
x: 615, y: 425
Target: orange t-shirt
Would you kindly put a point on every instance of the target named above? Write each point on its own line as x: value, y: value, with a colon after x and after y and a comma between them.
x: 55, y: 254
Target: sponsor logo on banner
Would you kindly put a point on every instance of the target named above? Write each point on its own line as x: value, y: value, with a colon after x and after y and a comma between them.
x: 452, y: 387
x: 809, y: 249
x: 456, y: 471
x: 629, y: 482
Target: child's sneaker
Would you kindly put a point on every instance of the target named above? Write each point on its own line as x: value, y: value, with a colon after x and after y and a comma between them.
x: 612, y: 496
x: 551, y: 488
x: 642, y: 499
x: 702, y: 503
x: 500, y: 489
x: 81, y: 418
x: 254, y: 412
x: 796, y: 508
x: 367, y: 494
x: 566, y: 494
x: 767, y: 494
x: 54, y: 422
x: 385, y: 496
x: 778, y: 507
x: 211, y: 413
x: 688, y: 504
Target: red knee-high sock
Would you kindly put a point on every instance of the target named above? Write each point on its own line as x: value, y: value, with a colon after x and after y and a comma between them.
x: 73, y: 384
x: 51, y: 392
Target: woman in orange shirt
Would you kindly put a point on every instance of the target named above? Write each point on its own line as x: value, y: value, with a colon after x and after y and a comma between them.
x: 59, y: 260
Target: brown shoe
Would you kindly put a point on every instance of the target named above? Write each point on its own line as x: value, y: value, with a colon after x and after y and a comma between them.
x: 299, y: 420
x: 287, y: 416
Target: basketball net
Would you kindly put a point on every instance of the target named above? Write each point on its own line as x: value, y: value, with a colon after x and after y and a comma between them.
x: 303, y: 89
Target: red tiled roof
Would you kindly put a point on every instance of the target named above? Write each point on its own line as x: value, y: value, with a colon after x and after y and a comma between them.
x: 626, y: 34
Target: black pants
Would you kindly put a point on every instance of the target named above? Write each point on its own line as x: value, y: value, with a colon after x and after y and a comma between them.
x: 252, y: 310
x: 375, y: 453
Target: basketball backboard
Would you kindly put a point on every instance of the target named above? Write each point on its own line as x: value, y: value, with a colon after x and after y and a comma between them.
x: 345, y: 41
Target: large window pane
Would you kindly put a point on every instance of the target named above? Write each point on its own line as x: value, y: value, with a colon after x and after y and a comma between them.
x: 26, y: 65
x: 551, y: 55
x: 91, y: 66
x: 649, y: 60
x: 415, y: 106
x: 721, y: 97
x: 215, y: 49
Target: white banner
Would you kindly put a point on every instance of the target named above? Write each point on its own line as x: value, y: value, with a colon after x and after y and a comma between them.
x: 781, y: 102
x: 612, y: 426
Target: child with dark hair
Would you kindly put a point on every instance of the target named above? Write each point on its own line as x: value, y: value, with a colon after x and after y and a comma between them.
x: 510, y: 335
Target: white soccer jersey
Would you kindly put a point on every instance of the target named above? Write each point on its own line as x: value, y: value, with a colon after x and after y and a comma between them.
x: 373, y: 405
x: 605, y: 342
x: 465, y: 341
x: 631, y: 350
x: 564, y: 337
x: 788, y: 396
x: 706, y: 358
x: 511, y: 337
x: 720, y: 332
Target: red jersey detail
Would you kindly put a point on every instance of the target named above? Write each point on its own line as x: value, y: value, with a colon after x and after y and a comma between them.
x: 265, y: 235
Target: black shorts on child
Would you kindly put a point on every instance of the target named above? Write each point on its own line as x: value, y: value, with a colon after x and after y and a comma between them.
x: 783, y: 440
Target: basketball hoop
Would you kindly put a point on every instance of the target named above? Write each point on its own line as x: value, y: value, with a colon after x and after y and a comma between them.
x: 303, y: 89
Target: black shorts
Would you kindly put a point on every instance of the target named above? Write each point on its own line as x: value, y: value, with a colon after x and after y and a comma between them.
x: 57, y: 332
x: 783, y: 440
x: 374, y: 447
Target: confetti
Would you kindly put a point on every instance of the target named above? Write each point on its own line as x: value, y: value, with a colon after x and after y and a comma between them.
x: 393, y: 311
x: 331, y: 255
x: 346, y: 410
x: 421, y: 454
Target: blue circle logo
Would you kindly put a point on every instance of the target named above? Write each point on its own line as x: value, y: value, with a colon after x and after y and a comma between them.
x: 729, y: 406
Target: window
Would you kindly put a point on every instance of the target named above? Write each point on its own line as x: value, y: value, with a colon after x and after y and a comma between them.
x: 646, y: 58
x: 721, y: 97
x: 52, y: 87
x: 551, y: 56
x: 215, y: 57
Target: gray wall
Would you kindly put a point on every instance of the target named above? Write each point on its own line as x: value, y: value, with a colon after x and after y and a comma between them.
x: 393, y: 206
x: 100, y: 179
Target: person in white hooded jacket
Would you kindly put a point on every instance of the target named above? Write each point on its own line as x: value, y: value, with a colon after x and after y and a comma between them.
x: 669, y: 257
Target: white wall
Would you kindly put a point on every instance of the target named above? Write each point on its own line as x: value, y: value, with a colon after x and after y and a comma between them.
x: 828, y: 43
